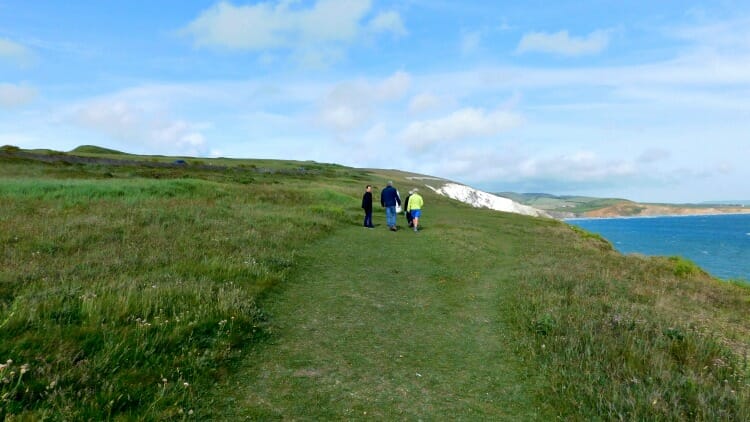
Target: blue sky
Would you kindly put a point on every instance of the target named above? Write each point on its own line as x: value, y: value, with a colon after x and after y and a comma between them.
x: 644, y: 100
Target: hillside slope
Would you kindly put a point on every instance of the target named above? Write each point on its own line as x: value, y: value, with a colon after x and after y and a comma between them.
x: 224, y: 288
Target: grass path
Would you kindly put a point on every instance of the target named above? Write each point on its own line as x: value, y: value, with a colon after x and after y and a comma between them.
x: 390, y: 325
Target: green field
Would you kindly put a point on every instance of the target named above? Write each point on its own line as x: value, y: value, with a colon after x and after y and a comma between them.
x: 228, y: 289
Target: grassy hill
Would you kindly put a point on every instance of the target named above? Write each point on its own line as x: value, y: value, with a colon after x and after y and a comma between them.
x: 93, y: 149
x: 226, y: 289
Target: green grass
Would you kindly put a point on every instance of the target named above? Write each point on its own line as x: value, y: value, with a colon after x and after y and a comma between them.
x: 414, y: 326
x: 248, y: 289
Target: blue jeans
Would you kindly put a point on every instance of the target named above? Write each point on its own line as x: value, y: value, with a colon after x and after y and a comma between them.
x: 390, y: 216
x: 368, y: 218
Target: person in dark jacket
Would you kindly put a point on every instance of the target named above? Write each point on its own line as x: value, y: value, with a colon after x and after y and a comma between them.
x: 367, y: 206
x: 388, y: 200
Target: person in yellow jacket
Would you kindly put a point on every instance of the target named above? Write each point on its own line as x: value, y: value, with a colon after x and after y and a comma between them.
x: 415, y: 207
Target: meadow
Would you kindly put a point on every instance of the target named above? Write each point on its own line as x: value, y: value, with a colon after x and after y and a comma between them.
x: 222, y: 289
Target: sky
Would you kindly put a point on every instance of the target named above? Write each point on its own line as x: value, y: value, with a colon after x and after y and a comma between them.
x: 644, y: 100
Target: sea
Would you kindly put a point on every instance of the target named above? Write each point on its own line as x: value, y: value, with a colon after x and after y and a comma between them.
x: 720, y: 244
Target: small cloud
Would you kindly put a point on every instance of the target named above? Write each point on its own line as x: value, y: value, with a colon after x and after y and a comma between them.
x: 349, y: 105
x: 15, y: 52
x: 394, y: 87
x: 318, y: 58
x: 178, y: 133
x: 470, y: 42
x: 424, y: 102
x: 388, y: 22
x: 12, y: 96
x: 504, y: 26
x: 467, y: 123
x: 342, y: 117
x: 725, y: 167
x: 273, y: 25
x: 376, y: 134
x: 653, y: 155
x: 563, y: 44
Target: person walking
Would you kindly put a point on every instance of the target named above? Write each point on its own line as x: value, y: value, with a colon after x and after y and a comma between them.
x: 416, y: 202
x: 406, y: 209
x: 388, y: 200
x: 367, y: 206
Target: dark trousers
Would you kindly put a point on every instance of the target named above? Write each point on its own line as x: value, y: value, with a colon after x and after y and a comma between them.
x: 368, y: 218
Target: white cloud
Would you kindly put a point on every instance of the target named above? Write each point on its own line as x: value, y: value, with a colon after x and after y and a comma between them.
x: 349, y: 105
x: 580, y: 166
x: 177, y: 133
x: 563, y: 44
x: 318, y: 57
x: 117, y: 119
x: 424, y: 102
x: 375, y: 134
x: 466, y: 123
x: 730, y: 36
x: 124, y: 121
x: 394, y: 87
x: 343, y: 117
x: 14, y: 52
x: 388, y: 22
x: 470, y: 42
x: 12, y: 96
x: 283, y: 24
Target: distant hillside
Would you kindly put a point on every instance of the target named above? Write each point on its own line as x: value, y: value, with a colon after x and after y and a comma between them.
x: 583, y: 206
x: 565, y: 206
x: 93, y: 149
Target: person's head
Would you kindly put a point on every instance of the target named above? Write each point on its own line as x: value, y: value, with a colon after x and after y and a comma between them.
x: 368, y: 188
x: 411, y: 191
x: 415, y: 190
x: 390, y: 183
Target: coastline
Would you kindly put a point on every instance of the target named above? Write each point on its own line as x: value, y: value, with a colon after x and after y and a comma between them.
x: 719, y: 247
x: 614, y: 217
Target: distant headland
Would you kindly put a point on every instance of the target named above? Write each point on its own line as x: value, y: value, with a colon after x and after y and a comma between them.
x: 590, y: 207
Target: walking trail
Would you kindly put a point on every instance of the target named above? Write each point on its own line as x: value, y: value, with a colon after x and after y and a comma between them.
x: 391, y: 325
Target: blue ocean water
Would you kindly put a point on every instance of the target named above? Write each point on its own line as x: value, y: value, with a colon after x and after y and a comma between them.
x: 720, y: 244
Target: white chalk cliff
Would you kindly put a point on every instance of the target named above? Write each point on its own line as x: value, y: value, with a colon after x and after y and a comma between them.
x: 480, y: 199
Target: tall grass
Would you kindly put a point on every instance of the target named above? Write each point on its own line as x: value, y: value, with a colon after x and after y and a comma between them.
x: 632, y: 338
x: 124, y: 297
